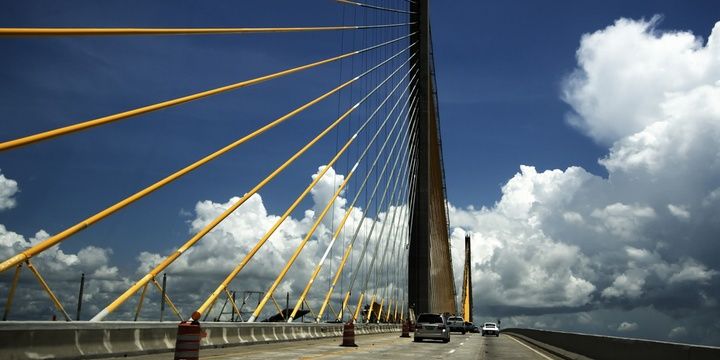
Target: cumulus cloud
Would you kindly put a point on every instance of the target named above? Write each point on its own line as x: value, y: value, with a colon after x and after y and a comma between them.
x: 215, y: 256
x: 627, y: 326
x: 691, y: 271
x: 8, y: 188
x: 566, y: 241
x: 679, y: 212
x: 629, y: 74
x: 62, y: 271
x: 626, y: 285
x: 195, y: 275
x: 677, y: 332
x: 623, y: 221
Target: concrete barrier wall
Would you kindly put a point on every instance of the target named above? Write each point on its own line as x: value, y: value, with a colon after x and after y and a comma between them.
x: 86, y: 340
x: 569, y: 345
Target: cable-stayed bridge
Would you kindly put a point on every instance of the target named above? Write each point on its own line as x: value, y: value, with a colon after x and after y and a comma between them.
x: 379, y: 237
x: 392, y: 152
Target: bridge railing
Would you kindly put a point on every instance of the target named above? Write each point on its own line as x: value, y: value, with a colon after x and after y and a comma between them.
x: 82, y: 339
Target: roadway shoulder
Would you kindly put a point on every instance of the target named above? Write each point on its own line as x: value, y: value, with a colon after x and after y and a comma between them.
x: 564, y: 354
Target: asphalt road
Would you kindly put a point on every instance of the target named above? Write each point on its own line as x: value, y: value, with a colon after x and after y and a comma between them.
x: 380, y: 346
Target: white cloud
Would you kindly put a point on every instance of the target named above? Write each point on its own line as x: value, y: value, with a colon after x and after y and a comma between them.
x: 691, y: 271
x: 573, y: 217
x: 62, y: 271
x: 627, y: 326
x: 623, y: 220
x: 711, y: 198
x: 194, y: 275
x: 679, y: 211
x: 515, y: 266
x: 628, y: 71
x: 628, y: 285
x: 8, y: 189
x: 222, y: 249
x: 677, y: 332
x: 567, y: 240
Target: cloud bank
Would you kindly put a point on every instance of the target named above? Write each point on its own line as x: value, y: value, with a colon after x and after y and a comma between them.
x: 567, y: 241
x: 59, y: 268
x: 193, y: 277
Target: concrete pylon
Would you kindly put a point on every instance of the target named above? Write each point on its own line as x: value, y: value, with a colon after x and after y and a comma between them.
x: 467, y: 298
x: 431, y: 286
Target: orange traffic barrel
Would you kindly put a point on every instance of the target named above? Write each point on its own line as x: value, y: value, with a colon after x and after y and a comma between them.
x: 348, y: 334
x: 405, y: 329
x: 187, y: 343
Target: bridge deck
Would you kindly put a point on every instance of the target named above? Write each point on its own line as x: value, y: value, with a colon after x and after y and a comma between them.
x: 380, y: 346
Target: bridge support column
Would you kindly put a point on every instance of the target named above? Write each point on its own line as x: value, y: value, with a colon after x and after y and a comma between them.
x: 430, y: 281
x: 419, y: 252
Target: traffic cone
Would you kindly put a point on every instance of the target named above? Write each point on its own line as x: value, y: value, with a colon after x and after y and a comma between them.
x: 348, y: 335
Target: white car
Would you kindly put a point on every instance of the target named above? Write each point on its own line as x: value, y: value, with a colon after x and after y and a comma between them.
x: 490, y: 329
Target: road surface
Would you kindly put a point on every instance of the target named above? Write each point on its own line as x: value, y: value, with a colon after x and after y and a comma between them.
x: 380, y: 346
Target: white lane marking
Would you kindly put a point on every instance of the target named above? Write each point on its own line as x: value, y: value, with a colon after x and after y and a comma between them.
x: 451, y: 351
x: 533, y: 350
x: 461, y: 344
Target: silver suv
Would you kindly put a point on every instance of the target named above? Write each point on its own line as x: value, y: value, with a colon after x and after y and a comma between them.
x: 432, y: 326
x: 456, y: 323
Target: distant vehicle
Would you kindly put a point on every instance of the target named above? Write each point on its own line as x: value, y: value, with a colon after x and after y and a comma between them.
x: 431, y: 326
x: 490, y: 329
x: 457, y: 324
x: 469, y: 327
x: 475, y: 329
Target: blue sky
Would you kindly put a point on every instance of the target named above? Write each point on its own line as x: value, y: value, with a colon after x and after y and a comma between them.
x: 501, y: 64
x: 502, y: 67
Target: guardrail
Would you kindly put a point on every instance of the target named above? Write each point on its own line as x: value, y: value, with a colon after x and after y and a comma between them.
x: 583, y: 346
x: 83, y: 340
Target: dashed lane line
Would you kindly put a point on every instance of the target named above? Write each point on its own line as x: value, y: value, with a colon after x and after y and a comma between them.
x: 377, y: 344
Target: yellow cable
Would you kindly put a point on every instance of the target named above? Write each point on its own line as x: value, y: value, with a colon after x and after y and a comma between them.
x: 338, y: 272
x: 302, y: 244
x: 7, y: 145
x: 179, y: 31
x: 267, y: 235
x: 279, y: 221
x: 53, y: 240
x: 205, y: 230
x: 294, y: 256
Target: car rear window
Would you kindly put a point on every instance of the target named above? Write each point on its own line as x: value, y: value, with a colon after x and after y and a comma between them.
x: 489, y: 325
x: 430, y: 318
x: 455, y: 318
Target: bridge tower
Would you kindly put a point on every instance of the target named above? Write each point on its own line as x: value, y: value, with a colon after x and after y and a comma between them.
x: 431, y: 286
x: 467, y: 298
